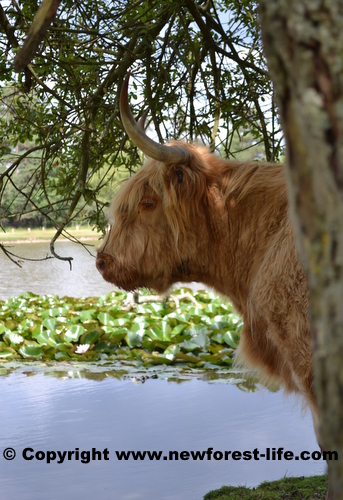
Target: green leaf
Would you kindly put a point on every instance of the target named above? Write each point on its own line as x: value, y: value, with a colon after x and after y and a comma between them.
x: 118, y: 335
x: 91, y: 337
x: 31, y: 351
x: 106, y: 319
x: 189, y: 345
x: 44, y: 336
x: 231, y: 339
x: 140, y: 328
x: 49, y: 323
x: 177, y: 330
x: 74, y: 333
x: 14, y: 338
x: 87, y: 315
x: 6, y: 353
x: 171, y: 351
x: 132, y: 339
x: 166, y: 330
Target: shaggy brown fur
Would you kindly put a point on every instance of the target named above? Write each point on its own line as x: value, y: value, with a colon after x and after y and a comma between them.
x: 226, y: 225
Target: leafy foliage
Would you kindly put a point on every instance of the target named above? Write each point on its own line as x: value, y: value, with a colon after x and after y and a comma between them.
x: 202, y: 335
x: 198, y: 66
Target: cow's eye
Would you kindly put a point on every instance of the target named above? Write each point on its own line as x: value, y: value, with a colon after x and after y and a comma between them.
x: 148, y: 203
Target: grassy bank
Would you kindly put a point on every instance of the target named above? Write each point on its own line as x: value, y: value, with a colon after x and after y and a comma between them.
x: 38, y: 234
x: 289, y: 488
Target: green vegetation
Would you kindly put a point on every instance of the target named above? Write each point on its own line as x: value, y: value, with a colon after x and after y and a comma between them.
x: 198, y: 331
x: 288, y: 488
x: 198, y: 68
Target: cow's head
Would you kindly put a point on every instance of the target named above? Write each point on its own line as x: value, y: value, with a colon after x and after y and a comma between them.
x: 158, y: 214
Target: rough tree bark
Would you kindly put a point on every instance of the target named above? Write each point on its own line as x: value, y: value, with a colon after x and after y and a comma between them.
x: 303, y: 42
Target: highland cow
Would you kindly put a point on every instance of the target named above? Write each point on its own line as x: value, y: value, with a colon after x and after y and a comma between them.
x: 188, y: 215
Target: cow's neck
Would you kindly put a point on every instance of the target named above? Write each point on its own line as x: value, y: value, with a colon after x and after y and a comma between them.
x: 239, y: 233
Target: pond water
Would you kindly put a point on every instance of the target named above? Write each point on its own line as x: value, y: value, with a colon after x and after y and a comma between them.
x: 49, y: 413
x: 52, y: 276
x: 52, y: 414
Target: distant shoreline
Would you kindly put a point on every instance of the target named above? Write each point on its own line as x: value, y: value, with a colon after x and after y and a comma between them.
x: 44, y: 240
x: 20, y: 236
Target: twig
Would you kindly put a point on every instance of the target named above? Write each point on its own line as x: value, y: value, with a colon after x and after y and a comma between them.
x: 20, y: 260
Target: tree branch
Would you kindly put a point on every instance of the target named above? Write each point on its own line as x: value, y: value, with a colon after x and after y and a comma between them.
x: 37, y: 31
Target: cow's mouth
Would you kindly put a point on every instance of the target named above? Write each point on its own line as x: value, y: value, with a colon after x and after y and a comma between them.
x: 128, y: 277
x: 103, y: 263
x: 114, y: 273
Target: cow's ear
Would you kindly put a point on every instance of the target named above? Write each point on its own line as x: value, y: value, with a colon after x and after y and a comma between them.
x: 179, y: 173
x: 177, y: 179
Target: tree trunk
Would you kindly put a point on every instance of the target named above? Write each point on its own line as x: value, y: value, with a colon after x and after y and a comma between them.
x: 303, y: 42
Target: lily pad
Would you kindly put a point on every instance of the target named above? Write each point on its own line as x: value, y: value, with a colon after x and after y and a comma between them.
x: 74, y: 333
x: 31, y: 351
x: 149, y: 334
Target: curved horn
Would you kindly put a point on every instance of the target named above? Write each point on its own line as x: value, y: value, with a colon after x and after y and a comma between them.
x: 166, y: 154
x: 141, y: 121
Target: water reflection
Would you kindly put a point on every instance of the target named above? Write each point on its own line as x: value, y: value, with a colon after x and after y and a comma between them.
x: 64, y: 414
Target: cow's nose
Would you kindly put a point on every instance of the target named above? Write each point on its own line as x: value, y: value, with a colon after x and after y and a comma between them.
x: 100, y: 264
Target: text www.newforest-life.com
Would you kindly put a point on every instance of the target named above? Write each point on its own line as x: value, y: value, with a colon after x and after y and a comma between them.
x: 93, y: 454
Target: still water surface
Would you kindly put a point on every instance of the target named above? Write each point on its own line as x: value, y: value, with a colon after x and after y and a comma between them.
x: 52, y: 276
x: 47, y: 413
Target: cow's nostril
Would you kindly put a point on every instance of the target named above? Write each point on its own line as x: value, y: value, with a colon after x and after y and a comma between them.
x: 100, y: 264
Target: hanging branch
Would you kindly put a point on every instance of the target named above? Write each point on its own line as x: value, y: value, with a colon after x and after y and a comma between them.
x: 85, y: 147
x: 37, y: 31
